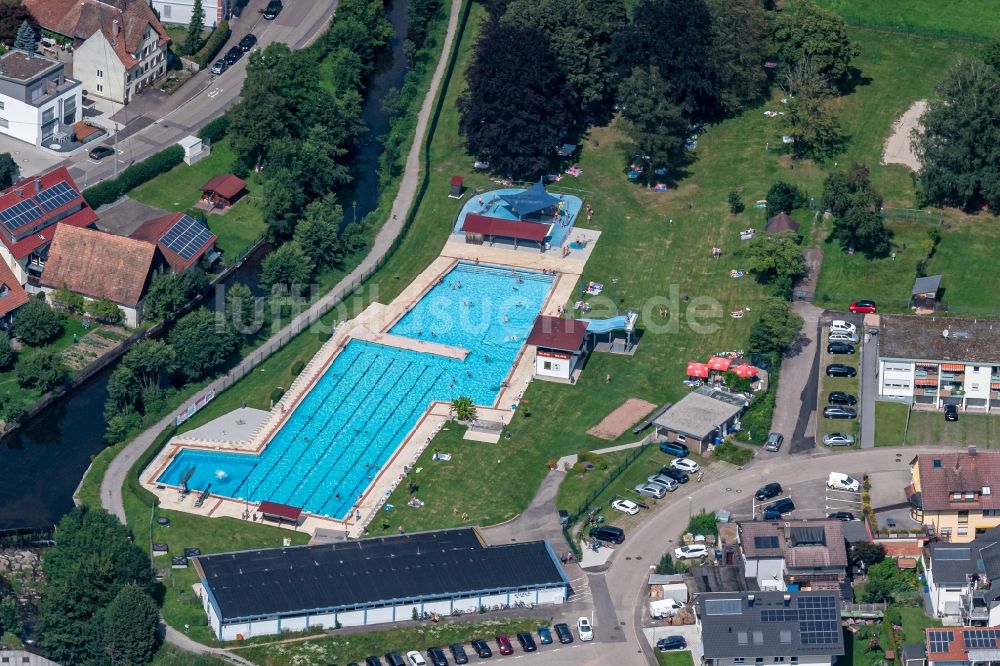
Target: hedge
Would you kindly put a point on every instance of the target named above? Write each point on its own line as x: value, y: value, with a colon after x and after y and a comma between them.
x: 134, y: 176
x: 215, y: 130
x: 213, y: 45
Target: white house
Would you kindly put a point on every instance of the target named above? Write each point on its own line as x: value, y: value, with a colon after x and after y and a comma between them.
x: 179, y: 11
x: 560, y: 347
x: 37, y: 100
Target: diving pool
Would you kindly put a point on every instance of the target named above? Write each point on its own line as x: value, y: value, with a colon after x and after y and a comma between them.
x: 357, y: 413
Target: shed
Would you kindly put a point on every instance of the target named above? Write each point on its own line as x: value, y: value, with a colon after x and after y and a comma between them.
x: 699, y: 417
x: 280, y: 512
x: 480, y: 227
x: 223, y: 190
x: 566, y: 149
x: 457, y: 186
x: 781, y: 222
x: 925, y: 291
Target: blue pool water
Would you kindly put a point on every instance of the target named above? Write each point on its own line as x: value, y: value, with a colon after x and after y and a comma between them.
x: 358, y: 412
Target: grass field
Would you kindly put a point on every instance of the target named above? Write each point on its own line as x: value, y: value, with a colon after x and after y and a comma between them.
x: 957, y: 18
x: 930, y: 428
x: 890, y: 422
x: 675, y: 658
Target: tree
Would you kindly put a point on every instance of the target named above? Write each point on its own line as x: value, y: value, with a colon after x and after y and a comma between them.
x: 736, y: 383
x: 123, y: 392
x: 860, y: 229
x: 105, y: 311
x: 517, y: 137
x: 815, y: 131
x: 776, y: 260
x: 25, y: 40
x: 776, y: 327
x: 784, y: 198
x: 202, y: 343
x: 736, y: 205
x: 852, y: 188
x: 420, y: 14
x: 666, y: 565
x: 464, y: 408
x: 7, y: 353
x: 991, y: 54
x: 815, y: 34
x: 10, y: 620
x: 288, y: 266
x: 169, y: 292
x: 192, y: 40
x: 318, y: 232
x: 856, y: 206
x: 42, y: 370
x: 241, y: 309
x: 867, y: 553
x: 654, y: 126
x: 13, y: 14
x: 959, y: 163
x: 9, y: 171
x: 149, y: 361
x: 36, y: 323
x: 68, y: 300
x: 130, y: 627
x: 741, y: 42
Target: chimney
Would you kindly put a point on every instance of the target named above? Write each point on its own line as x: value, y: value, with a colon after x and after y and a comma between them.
x: 750, y: 599
x: 117, y: 27
x: 788, y: 599
x: 972, y: 451
x: 38, y: 188
x: 19, y: 192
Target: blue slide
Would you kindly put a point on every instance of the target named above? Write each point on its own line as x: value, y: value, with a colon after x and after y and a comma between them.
x: 622, y: 322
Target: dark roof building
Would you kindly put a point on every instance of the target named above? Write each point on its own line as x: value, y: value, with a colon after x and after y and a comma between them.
x: 962, y: 579
x: 811, y: 554
x: 558, y: 333
x: 781, y: 222
x: 224, y: 189
x: 182, y: 239
x: 773, y: 626
x: 724, y: 578
x: 379, y: 579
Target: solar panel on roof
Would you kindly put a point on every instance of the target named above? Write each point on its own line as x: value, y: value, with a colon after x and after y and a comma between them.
x: 56, y: 196
x: 723, y: 607
x: 186, y: 237
x: 981, y: 638
x: 818, y: 621
x: 20, y: 214
x: 940, y: 641
x: 952, y: 553
x: 765, y: 541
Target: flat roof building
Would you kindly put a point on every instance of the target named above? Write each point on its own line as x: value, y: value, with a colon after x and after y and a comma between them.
x: 373, y: 581
x: 701, y: 416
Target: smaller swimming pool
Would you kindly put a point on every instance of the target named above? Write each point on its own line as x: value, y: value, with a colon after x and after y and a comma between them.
x: 492, y: 204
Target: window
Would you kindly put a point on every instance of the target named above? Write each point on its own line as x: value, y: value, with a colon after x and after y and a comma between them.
x: 547, y: 365
x: 963, y: 517
x: 4, y: 123
x: 963, y: 531
x: 100, y: 88
x: 1, y: 106
x: 779, y: 660
x: 956, y: 496
x: 739, y: 660
x: 100, y: 73
x: 969, y: 496
x: 166, y: 11
x: 759, y: 660
x: 681, y: 438
x: 946, y: 532
x: 795, y: 660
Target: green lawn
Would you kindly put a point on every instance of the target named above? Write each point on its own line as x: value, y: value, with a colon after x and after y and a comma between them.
x: 915, y: 620
x: 180, y: 189
x: 930, y: 428
x: 967, y: 242
x: 169, y: 655
x: 956, y: 18
x: 890, y: 422
x: 675, y: 658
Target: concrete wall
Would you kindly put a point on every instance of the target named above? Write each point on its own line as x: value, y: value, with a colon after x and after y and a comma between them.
x: 548, y: 365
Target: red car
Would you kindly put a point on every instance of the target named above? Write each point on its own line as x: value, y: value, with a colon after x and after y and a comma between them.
x: 864, y: 307
x: 503, y: 643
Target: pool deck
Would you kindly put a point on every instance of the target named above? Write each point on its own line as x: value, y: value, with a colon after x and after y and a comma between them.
x: 372, y: 325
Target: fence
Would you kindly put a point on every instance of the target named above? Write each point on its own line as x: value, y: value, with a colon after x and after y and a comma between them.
x: 912, y: 214
x: 910, y: 29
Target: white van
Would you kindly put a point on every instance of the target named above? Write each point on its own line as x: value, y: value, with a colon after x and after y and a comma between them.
x: 841, y: 481
x: 664, y: 608
x: 843, y: 337
x: 841, y: 326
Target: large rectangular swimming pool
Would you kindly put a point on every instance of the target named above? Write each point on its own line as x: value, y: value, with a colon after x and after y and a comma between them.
x: 351, y: 421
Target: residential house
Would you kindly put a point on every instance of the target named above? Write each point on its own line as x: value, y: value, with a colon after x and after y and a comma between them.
x: 29, y: 211
x: 963, y: 580
x: 38, y: 102
x: 952, y: 493
x: 722, y: 578
x: 99, y: 265
x: 701, y: 417
x: 23, y: 658
x: 120, y: 47
x: 12, y: 296
x: 182, y: 240
x: 960, y: 647
x: 770, y: 628
x: 179, y: 12
x: 794, y: 554
x: 930, y: 362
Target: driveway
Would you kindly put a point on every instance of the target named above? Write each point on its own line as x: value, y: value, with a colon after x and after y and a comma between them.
x: 869, y: 383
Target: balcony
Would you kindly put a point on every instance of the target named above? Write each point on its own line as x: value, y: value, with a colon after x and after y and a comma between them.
x: 975, y: 607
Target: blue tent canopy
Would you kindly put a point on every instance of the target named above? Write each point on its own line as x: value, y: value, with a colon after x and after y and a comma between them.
x: 530, y: 201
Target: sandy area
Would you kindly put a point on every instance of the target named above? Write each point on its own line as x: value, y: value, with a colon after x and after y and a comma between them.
x: 617, y: 422
x: 897, y: 147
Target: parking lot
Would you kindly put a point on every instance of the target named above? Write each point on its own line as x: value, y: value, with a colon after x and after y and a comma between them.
x: 850, y: 385
x: 812, y: 500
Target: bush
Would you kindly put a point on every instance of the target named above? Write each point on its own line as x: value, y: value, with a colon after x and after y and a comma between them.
x: 703, y: 523
x: 731, y: 453
x: 213, y: 44
x: 7, y: 353
x: 215, y: 131
x: 298, y: 367
x: 105, y: 311
x: 43, y: 370
x: 666, y: 565
x: 111, y: 190
x: 277, y: 394
x: 38, y: 324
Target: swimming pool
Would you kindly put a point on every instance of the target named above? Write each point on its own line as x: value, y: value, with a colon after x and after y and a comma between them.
x: 351, y: 421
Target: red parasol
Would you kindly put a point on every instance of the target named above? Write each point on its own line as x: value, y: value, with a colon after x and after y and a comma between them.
x: 696, y: 369
x: 745, y: 370
x: 719, y: 363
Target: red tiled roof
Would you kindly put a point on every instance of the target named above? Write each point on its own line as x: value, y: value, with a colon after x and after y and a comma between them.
x: 28, y: 187
x: 494, y: 226
x: 557, y: 333
x: 909, y: 548
x: 154, y: 230
x: 100, y: 265
x: 15, y: 295
x: 283, y: 511
x: 959, y: 472
x: 955, y: 642
x: 226, y: 186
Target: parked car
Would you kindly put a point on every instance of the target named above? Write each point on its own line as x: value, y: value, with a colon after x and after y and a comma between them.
x: 625, y: 506
x: 841, y: 398
x: 654, y: 490
x: 373, y: 661
x: 608, y: 533
x: 233, y: 55
x: 482, y: 648
x: 563, y: 633
x: 842, y: 326
x: 272, y: 10
x: 436, y: 655
x: 503, y: 644
x: 776, y: 510
x: 220, y: 66
x: 691, y: 551
x: 527, y: 641
x: 664, y: 481
x: 845, y: 516
x: 685, y: 465
x: 951, y: 413
x: 840, y: 370
x: 415, y: 658
x: 671, y: 643
x: 841, y: 481
x: 675, y: 474
x: 584, y: 629
x: 838, y: 439
x: 840, y: 348
x: 839, y: 412
x: 248, y: 42
x: 774, y: 441
x: 458, y: 653
x: 863, y: 307
x: 100, y: 152
x: 674, y: 449
x: 394, y: 659
x: 544, y: 635
x: 768, y: 491
x: 844, y: 336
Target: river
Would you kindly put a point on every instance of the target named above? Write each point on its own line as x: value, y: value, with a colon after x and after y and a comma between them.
x: 42, y: 462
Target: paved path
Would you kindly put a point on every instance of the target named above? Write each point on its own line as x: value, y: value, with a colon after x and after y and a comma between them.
x: 114, y: 478
x: 795, y: 406
x: 869, y: 386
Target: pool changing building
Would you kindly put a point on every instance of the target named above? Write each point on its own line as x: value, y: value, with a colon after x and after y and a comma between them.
x: 373, y: 581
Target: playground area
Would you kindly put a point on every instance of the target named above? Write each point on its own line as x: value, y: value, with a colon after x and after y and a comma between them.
x: 555, y: 213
